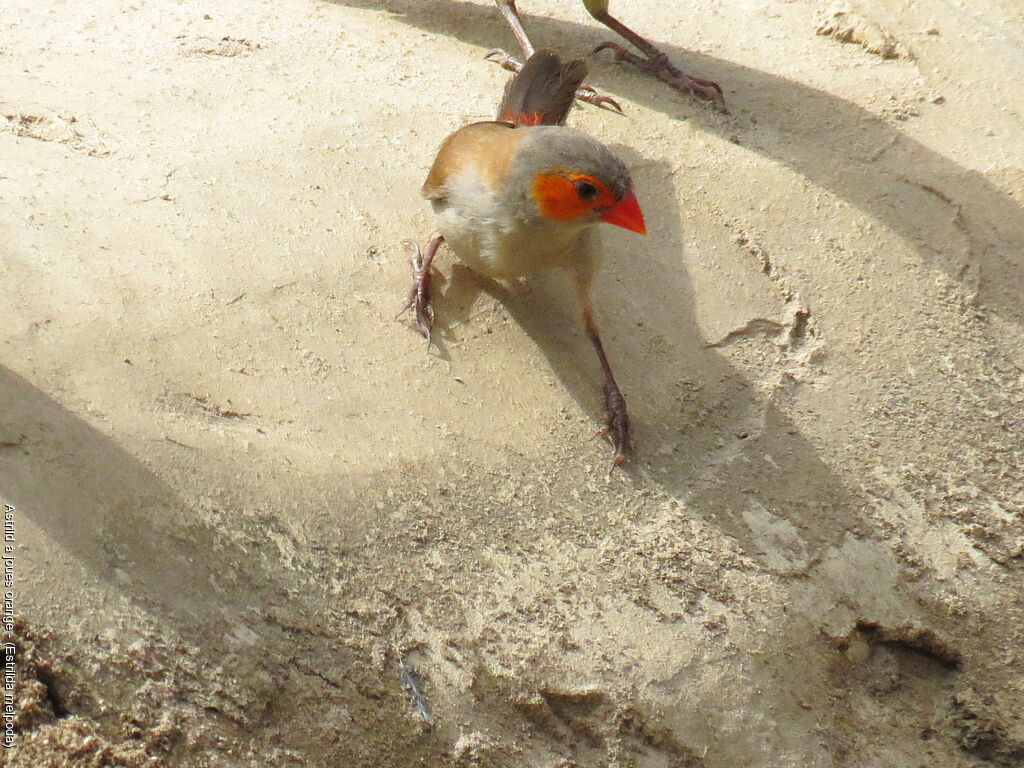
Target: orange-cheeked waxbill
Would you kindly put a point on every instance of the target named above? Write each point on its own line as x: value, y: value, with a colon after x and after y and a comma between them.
x: 525, y: 193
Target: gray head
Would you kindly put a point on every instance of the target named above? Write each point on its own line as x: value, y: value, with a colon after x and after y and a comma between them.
x: 563, y: 174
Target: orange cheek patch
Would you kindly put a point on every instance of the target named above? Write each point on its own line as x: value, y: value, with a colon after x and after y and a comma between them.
x: 557, y: 198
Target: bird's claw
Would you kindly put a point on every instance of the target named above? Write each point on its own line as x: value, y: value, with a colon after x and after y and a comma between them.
x: 588, y: 94
x: 616, y: 425
x: 660, y: 66
x: 503, y: 59
x: 419, y: 294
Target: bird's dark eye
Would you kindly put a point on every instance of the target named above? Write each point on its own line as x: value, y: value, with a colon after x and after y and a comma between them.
x: 585, y: 190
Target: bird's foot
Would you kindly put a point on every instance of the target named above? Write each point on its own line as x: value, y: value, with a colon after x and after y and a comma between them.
x: 419, y: 294
x: 661, y: 67
x: 503, y: 60
x: 616, y: 424
x: 584, y: 93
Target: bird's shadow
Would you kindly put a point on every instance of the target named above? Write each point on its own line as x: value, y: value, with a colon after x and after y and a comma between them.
x: 701, y: 431
x: 956, y: 219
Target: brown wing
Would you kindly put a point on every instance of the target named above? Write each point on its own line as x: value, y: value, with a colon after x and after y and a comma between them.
x: 486, y: 147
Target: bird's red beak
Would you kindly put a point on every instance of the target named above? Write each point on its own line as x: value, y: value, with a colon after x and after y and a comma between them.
x: 626, y: 214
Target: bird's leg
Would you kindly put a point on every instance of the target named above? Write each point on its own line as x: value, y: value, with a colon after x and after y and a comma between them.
x: 616, y: 418
x: 653, y: 60
x: 419, y: 294
x: 511, y: 14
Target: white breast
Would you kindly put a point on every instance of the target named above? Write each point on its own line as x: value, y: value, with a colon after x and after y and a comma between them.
x: 487, y: 239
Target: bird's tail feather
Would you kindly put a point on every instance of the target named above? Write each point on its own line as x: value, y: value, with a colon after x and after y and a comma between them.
x: 543, y: 91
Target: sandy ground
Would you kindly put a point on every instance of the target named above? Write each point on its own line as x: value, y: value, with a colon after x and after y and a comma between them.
x: 244, y: 492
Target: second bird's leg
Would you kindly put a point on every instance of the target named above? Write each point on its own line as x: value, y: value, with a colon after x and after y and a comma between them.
x: 511, y: 14
x: 653, y: 60
x: 419, y: 294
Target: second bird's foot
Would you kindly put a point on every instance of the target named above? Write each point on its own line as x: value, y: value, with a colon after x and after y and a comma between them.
x: 503, y: 60
x: 661, y: 67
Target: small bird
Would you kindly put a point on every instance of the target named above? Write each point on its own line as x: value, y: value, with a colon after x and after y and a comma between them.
x: 652, y: 60
x: 525, y: 193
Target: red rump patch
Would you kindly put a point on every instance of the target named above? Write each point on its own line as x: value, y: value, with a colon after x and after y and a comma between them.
x: 526, y: 118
